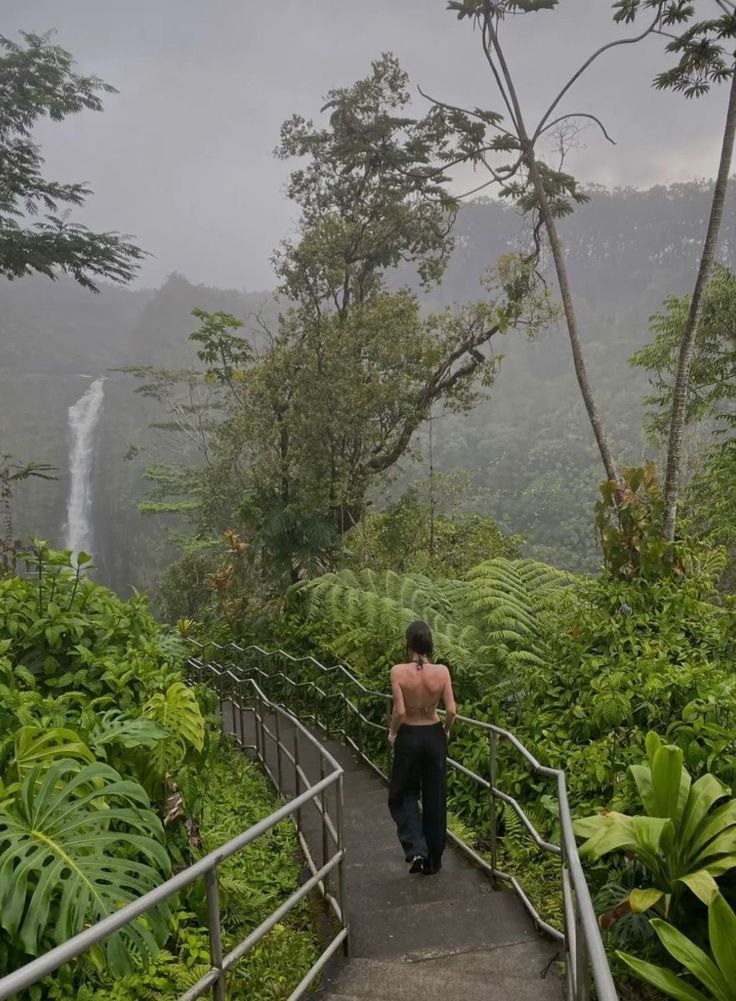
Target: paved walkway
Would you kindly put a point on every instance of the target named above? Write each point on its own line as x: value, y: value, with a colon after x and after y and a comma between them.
x: 448, y: 937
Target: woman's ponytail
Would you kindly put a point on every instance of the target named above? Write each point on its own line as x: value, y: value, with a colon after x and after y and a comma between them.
x: 419, y: 641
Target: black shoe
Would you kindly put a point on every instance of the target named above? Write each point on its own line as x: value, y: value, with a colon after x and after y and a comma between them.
x: 417, y: 864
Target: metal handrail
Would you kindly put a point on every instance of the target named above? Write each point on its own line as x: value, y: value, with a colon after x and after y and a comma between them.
x: 239, y: 693
x: 584, y: 950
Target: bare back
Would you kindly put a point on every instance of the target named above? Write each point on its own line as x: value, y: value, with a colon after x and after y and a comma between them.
x: 418, y: 692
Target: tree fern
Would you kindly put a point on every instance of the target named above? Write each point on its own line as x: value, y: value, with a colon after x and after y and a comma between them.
x: 490, y: 620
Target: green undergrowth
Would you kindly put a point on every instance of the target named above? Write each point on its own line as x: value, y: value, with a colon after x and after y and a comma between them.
x: 252, y: 884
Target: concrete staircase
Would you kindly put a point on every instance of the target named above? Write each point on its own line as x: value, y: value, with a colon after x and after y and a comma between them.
x: 448, y: 937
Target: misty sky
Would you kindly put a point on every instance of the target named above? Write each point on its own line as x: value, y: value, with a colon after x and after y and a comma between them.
x: 182, y: 156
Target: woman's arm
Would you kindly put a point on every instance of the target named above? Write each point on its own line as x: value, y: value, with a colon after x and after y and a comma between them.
x: 399, y: 710
x: 448, y: 698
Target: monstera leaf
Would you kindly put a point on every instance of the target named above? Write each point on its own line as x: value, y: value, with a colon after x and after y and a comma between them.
x: 37, y: 747
x: 66, y: 863
x: 178, y: 712
x: 117, y: 729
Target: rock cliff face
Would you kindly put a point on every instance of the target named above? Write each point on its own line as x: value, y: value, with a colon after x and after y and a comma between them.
x: 528, y: 446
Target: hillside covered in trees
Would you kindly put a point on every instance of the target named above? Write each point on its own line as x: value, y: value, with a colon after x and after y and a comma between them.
x: 530, y: 457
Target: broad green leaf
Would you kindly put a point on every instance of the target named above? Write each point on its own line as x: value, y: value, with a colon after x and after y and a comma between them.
x: 642, y: 776
x: 664, y: 980
x: 653, y: 834
x: 653, y: 744
x: 723, y: 844
x: 615, y: 831
x: 722, y: 930
x: 670, y: 782
x: 38, y: 747
x: 692, y: 958
x: 702, y: 885
x: 586, y: 827
x: 641, y: 900
x: 717, y: 821
x: 706, y: 791
x: 114, y: 727
x: 721, y: 865
x: 65, y: 863
x: 178, y: 711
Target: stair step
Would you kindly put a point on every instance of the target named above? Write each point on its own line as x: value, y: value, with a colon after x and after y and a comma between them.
x: 432, y: 929
x: 361, y: 979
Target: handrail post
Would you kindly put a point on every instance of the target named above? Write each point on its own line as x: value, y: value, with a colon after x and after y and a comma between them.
x: 297, y: 779
x: 323, y: 804
x: 359, y: 741
x: 215, y: 932
x: 340, y: 824
x: 256, y: 731
x: 261, y: 725
x: 279, y: 765
x: 493, y: 740
x: 238, y: 727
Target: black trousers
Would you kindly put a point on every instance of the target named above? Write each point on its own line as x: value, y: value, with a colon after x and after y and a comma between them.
x: 420, y: 769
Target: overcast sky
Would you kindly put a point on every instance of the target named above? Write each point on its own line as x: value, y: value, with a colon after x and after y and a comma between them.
x: 182, y: 156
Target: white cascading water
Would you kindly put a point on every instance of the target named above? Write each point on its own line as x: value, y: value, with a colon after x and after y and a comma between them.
x: 82, y: 419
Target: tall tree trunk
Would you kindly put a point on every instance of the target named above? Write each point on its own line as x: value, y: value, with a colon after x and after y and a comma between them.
x: 558, y: 255
x: 687, y: 344
x: 563, y: 279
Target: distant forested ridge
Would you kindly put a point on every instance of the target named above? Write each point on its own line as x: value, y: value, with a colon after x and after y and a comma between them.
x: 528, y: 447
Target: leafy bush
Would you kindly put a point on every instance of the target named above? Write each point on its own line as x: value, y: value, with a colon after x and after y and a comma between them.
x: 625, y: 658
x: 716, y: 972
x: 83, y: 677
x: 108, y: 777
x: 76, y: 844
x: 683, y: 839
x: 252, y: 884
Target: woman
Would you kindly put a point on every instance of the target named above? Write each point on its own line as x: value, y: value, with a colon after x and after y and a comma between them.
x: 419, y: 741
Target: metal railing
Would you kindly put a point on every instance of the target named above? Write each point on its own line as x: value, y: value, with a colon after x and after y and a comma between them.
x: 273, y: 728
x: 345, y: 702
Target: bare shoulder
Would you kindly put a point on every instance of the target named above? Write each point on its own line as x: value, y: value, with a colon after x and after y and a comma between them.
x: 397, y: 670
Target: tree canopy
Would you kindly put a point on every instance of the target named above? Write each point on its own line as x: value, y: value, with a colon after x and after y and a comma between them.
x: 37, y: 80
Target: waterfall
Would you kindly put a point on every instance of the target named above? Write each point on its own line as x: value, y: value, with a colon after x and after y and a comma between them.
x: 82, y: 420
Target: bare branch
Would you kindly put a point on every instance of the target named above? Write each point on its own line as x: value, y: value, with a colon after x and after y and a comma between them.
x: 579, y: 114
x: 588, y: 62
x: 494, y: 69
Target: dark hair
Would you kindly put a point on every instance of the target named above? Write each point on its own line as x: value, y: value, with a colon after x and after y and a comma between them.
x: 419, y: 639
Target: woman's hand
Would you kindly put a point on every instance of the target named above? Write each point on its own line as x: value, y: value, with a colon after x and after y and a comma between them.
x: 391, y: 738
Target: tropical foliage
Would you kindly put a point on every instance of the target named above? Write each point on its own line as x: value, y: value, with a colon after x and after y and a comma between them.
x: 107, y: 778
x: 39, y: 82
x: 715, y: 972
x: 79, y: 834
x: 489, y: 621
x: 685, y: 838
